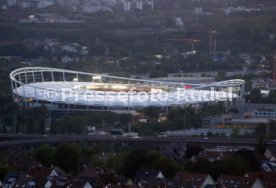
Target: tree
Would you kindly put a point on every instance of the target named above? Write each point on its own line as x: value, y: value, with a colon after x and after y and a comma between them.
x: 192, y: 150
x: 201, y: 165
x: 272, y: 129
x: 3, y: 172
x: 235, y: 133
x: 73, y: 124
x: 158, y: 74
x: 272, y: 97
x: 9, y: 116
x: 152, y: 112
x: 67, y: 157
x: 35, y: 118
x: 261, y: 146
x: 255, y: 96
x: 234, y: 110
x: 254, y: 164
x: 45, y: 155
x: 260, y: 131
x: 87, y: 152
x: 168, y: 167
x: 235, y: 166
x: 221, y: 75
x: 127, y: 163
x: 96, y: 161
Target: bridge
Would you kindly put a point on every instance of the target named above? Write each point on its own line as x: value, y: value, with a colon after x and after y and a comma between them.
x: 34, y: 140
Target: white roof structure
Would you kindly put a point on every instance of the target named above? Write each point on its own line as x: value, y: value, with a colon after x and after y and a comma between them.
x: 57, y: 86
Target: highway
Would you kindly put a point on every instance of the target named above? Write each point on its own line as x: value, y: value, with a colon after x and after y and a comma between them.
x: 29, y: 140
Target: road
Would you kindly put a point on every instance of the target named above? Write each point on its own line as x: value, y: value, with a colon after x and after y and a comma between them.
x: 21, y: 140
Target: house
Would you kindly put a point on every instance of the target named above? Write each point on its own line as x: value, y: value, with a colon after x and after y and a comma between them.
x: 10, y: 180
x: 270, y: 153
x: 56, y: 182
x: 269, y: 166
x: 267, y: 178
x: 122, y: 182
x: 229, y: 181
x: 43, y: 174
x: 16, y: 180
x: 24, y: 180
x: 78, y: 183
x: 194, y: 180
x: 46, y: 172
x: 211, y: 155
x: 146, y: 176
x: 73, y: 182
x: 89, y: 173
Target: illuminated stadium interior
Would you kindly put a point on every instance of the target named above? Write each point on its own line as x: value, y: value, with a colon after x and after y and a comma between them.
x: 123, y: 88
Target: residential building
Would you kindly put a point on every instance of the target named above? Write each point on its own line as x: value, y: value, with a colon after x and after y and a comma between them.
x: 268, y: 178
x: 230, y: 181
x: 195, y: 180
x: 146, y: 176
x: 211, y: 155
x: 24, y: 181
x: 270, y: 153
x: 41, y: 174
x: 64, y: 182
x: 89, y: 173
x: 269, y: 166
x: 10, y: 180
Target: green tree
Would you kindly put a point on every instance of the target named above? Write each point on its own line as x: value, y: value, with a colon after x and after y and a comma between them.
x: 137, y: 159
x: 9, y: 116
x: 235, y: 166
x: 261, y: 146
x: 73, y: 124
x: 96, y: 161
x: 152, y: 112
x: 235, y: 133
x: 260, y: 131
x: 272, y: 129
x: 201, y: 165
x: 3, y: 172
x: 254, y: 96
x: 253, y: 161
x: 168, y: 167
x: 45, y: 155
x: 272, y: 97
x: 67, y: 157
x: 158, y: 74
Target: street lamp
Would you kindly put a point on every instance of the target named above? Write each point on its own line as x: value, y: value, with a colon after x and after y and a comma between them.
x: 211, y: 33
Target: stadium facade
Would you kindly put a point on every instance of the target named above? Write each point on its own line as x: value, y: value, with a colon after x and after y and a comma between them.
x: 65, y: 90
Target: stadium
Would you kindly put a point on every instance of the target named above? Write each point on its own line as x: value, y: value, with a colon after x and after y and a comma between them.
x: 65, y: 90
